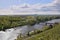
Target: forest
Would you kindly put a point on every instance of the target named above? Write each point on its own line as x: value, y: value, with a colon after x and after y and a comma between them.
x: 7, y: 22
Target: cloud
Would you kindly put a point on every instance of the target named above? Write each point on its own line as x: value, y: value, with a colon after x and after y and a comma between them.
x: 54, y: 6
x: 50, y: 8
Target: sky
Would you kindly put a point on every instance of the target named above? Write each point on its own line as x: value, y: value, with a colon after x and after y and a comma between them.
x: 7, y: 3
x: 23, y: 7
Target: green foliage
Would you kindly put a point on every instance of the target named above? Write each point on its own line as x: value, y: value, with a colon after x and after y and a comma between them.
x: 31, y: 20
x: 15, y: 21
x: 45, y: 28
x: 45, y: 18
x: 52, y: 34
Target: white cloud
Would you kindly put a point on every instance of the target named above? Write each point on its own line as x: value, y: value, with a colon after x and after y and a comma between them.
x: 50, y: 8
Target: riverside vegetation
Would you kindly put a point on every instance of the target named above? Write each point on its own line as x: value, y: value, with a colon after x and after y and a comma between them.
x: 16, y: 21
x: 47, y: 33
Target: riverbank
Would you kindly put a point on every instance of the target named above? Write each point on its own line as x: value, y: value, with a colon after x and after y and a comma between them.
x: 50, y: 34
x: 11, y: 34
x: 7, y: 22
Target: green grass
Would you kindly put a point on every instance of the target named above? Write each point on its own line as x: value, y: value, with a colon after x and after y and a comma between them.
x: 51, y: 34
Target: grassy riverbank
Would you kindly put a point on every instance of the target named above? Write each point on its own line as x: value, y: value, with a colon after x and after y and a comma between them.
x: 50, y: 34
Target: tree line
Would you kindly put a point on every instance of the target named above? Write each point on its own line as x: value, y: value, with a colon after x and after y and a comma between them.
x: 15, y: 21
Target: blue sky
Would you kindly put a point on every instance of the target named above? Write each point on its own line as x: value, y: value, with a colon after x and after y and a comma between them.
x: 18, y: 7
x: 7, y: 3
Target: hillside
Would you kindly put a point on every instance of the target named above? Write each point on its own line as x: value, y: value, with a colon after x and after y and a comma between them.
x: 51, y: 34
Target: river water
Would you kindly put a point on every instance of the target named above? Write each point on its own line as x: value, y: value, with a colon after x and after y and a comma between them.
x: 11, y: 34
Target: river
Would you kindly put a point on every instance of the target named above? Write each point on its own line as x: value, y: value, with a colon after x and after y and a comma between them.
x: 11, y: 34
